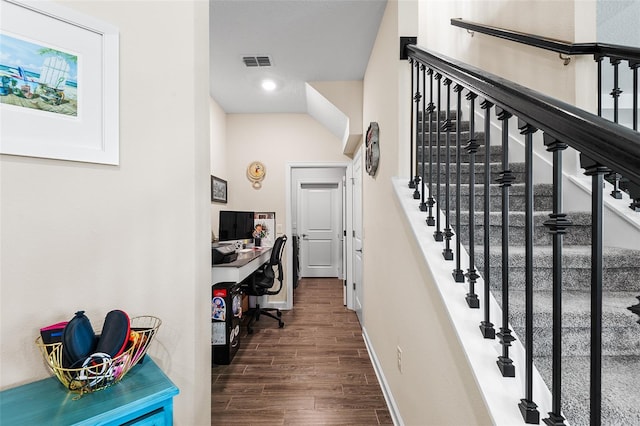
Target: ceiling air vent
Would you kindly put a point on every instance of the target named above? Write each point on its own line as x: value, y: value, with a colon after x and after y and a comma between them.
x: 264, y: 61
x: 256, y: 61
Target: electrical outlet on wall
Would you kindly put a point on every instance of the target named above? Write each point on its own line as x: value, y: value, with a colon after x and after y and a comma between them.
x: 399, y: 351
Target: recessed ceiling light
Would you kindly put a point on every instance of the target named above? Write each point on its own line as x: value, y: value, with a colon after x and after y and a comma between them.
x: 269, y: 85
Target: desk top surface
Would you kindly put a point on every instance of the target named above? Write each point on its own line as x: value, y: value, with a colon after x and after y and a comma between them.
x: 244, y: 257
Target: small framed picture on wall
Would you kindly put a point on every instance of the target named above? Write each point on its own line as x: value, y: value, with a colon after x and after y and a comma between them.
x: 218, y: 190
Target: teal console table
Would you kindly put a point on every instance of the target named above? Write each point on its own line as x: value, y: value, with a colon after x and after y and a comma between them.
x: 144, y: 397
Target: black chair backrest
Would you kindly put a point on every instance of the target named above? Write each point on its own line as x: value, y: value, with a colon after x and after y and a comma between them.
x: 276, y: 251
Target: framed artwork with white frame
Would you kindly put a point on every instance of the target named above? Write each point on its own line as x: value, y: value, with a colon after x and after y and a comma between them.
x: 58, y: 83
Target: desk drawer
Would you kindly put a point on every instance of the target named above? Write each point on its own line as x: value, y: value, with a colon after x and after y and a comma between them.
x: 154, y: 418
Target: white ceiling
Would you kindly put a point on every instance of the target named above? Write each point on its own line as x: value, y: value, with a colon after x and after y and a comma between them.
x: 307, y: 40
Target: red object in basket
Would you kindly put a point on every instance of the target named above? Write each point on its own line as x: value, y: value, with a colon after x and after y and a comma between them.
x: 53, y: 333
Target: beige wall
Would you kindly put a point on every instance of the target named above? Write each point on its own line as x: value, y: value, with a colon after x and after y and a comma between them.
x: 513, y: 61
x: 402, y: 306
x: 218, y: 156
x: 538, y: 69
x: 69, y: 230
x: 276, y: 140
x: 347, y: 97
x: 91, y: 237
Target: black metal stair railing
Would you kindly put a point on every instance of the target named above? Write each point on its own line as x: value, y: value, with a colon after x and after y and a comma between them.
x: 617, y: 55
x: 604, y: 146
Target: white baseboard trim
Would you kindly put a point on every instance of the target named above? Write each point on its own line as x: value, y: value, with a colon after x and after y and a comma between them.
x: 386, y: 391
x: 282, y: 305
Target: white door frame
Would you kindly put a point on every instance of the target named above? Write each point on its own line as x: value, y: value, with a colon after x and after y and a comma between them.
x: 288, y: 304
x: 356, y: 223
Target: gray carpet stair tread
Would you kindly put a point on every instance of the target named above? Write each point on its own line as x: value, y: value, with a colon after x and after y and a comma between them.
x: 620, y: 378
x: 576, y: 308
x: 621, y: 280
x: 496, y: 189
x: 576, y: 256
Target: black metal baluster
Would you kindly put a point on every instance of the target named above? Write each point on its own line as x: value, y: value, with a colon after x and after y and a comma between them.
x: 634, y: 67
x: 411, y: 181
x: 447, y: 253
x: 458, y: 274
x: 528, y: 408
x: 633, y: 189
x: 636, y: 308
x: 430, y: 201
x: 506, y: 178
x: 471, y: 148
x: 614, y: 179
x: 423, y: 119
x: 616, y: 92
x: 438, y: 234
x: 634, y: 193
x: 598, y: 59
x: 416, y: 98
x: 557, y: 224
x: 597, y: 172
x: 486, y: 326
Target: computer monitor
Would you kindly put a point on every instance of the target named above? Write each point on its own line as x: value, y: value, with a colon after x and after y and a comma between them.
x: 235, y: 225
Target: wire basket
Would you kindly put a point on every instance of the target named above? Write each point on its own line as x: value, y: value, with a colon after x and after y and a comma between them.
x: 98, y: 372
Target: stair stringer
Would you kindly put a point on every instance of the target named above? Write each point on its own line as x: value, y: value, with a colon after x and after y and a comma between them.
x: 501, y: 395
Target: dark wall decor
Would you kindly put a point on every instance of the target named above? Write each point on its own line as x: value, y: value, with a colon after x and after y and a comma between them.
x: 373, y: 148
x: 218, y: 190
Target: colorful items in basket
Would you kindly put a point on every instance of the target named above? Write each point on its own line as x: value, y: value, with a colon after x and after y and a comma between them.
x: 79, y: 342
x: 84, y: 361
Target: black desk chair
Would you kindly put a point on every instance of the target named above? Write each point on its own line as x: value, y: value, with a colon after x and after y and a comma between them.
x: 262, y: 281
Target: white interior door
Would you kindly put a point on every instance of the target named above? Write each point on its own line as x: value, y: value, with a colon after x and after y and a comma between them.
x: 320, y: 229
x: 357, y: 236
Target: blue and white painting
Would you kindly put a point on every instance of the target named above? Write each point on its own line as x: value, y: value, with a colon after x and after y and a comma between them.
x: 37, y: 77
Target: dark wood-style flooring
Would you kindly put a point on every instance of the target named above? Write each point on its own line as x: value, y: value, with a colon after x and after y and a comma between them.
x: 314, y: 371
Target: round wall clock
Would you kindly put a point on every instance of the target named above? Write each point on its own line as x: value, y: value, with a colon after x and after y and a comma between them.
x: 256, y: 172
x: 373, y: 148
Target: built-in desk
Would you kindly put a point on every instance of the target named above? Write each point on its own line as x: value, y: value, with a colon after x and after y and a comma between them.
x: 248, y: 261
x: 143, y: 397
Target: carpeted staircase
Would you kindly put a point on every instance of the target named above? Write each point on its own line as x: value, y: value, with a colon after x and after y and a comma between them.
x: 621, y: 332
